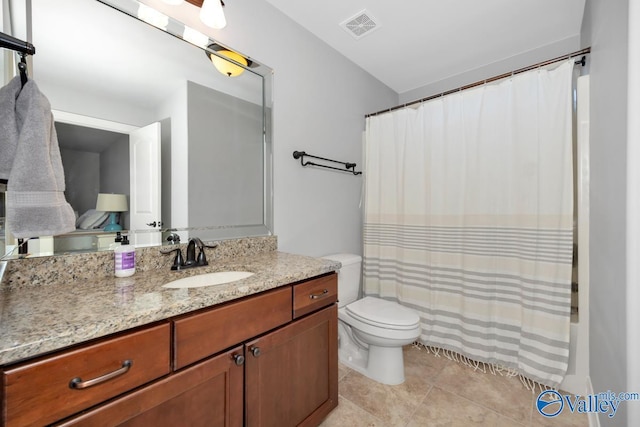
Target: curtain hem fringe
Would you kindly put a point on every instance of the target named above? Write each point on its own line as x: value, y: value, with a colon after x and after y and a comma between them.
x: 528, y: 383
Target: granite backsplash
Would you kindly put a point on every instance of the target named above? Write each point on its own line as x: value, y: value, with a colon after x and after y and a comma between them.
x: 39, y: 271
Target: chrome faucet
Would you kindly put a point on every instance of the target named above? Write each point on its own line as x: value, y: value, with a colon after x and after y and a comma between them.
x: 191, y: 260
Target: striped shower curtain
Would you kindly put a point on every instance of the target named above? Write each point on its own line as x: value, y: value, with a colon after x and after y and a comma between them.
x: 469, y: 219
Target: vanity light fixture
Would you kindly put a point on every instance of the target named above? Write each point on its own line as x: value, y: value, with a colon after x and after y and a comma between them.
x: 153, y: 17
x: 195, y: 37
x: 226, y: 67
x: 212, y: 15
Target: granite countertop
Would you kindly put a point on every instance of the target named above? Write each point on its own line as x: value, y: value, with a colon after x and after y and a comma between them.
x: 39, y: 319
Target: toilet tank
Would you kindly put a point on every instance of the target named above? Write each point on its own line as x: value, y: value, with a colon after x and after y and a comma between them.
x: 348, y: 277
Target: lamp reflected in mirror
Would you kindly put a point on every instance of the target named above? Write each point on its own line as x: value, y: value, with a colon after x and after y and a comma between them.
x: 226, y: 67
x: 112, y: 203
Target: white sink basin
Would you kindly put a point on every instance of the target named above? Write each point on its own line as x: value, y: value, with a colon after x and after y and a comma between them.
x: 209, y: 279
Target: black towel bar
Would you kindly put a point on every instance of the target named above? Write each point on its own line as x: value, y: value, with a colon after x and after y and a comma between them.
x: 349, y: 167
x: 18, y: 45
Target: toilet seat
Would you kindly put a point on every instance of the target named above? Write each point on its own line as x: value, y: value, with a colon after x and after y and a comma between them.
x: 383, y: 314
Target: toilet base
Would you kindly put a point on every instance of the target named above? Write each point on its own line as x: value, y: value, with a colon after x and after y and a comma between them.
x: 382, y: 364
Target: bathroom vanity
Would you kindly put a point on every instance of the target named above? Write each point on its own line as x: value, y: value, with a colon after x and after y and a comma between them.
x: 264, y: 353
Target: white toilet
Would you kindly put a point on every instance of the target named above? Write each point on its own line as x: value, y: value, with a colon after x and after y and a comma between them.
x: 371, y: 331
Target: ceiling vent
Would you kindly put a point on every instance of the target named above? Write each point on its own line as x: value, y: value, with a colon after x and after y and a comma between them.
x: 361, y: 24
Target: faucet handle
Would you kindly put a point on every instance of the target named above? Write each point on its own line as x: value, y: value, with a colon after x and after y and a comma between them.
x: 178, y: 261
x: 202, y: 257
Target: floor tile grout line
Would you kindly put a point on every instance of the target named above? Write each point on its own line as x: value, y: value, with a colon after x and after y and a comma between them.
x: 528, y: 418
x: 360, y: 407
x: 482, y: 405
x: 419, y: 404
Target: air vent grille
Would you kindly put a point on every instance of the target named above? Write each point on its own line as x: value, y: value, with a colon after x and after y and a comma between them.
x: 361, y: 24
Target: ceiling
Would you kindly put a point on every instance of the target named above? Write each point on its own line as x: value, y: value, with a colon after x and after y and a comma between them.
x: 419, y: 42
x: 74, y: 137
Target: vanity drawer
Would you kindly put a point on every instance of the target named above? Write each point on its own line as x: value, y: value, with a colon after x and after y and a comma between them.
x: 200, y: 335
x: 41, y: 392
x: 314, y: 294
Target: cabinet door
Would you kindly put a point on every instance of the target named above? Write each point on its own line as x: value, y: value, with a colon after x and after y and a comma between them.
x: 292, y: 373
x: 207, y: 394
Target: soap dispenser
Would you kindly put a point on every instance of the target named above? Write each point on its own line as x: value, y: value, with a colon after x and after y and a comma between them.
x: 125, y: 259
x: 117, y: 242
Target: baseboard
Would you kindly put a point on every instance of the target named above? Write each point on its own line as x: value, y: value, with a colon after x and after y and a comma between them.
x: 594, y: 421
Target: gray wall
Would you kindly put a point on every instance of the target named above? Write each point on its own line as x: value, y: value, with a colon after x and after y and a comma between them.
x: 114, y: 167
x: 114, y: 171
x: 165, y: 170
x: 605, y: 29
x: 319, y: 102
x: 82, y: 178
x: 225, y: 159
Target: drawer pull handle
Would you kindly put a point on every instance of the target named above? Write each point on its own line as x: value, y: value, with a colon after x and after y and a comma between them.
x: 320, y: 295
x: 78, y: 384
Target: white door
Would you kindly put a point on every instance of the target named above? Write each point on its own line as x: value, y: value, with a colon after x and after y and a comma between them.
x: 144, y: 156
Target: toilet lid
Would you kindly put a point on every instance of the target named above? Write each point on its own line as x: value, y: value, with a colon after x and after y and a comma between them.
x: 376, y: 311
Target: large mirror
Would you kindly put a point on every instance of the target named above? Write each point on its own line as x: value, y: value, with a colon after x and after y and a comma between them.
x: 142, y: 112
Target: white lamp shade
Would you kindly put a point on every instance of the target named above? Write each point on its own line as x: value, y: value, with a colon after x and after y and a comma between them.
x: 111, y: 202
x: 212, y: 15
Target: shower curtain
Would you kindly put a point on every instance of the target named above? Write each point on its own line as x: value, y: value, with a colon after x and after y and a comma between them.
x: 469, y: 218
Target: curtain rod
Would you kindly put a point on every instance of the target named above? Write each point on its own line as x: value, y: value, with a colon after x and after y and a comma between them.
x: 491, y: 79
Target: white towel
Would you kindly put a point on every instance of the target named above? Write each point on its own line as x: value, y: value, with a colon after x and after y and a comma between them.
x: 36, y: 205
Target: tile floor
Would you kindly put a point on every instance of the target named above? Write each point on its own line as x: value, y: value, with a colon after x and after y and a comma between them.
x: 439, y: 392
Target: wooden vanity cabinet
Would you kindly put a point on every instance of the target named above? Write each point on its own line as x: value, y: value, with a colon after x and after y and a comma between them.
x: 210, y: 331
x: 265, y: 360
x: 207, y: 394
x: 39, y: 392
x: 291, y: 374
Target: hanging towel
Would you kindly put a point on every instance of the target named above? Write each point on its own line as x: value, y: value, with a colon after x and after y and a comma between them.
x: 8, y: 126
x: 36, y: 205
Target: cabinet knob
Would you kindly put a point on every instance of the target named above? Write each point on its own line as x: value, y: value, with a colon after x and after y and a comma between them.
x: 239, y: 359
x: 255, y: 351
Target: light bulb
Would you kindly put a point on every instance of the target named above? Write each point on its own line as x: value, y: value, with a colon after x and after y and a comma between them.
x: 153, y: 17
x: 195, y: 37
x: 227, y: 67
